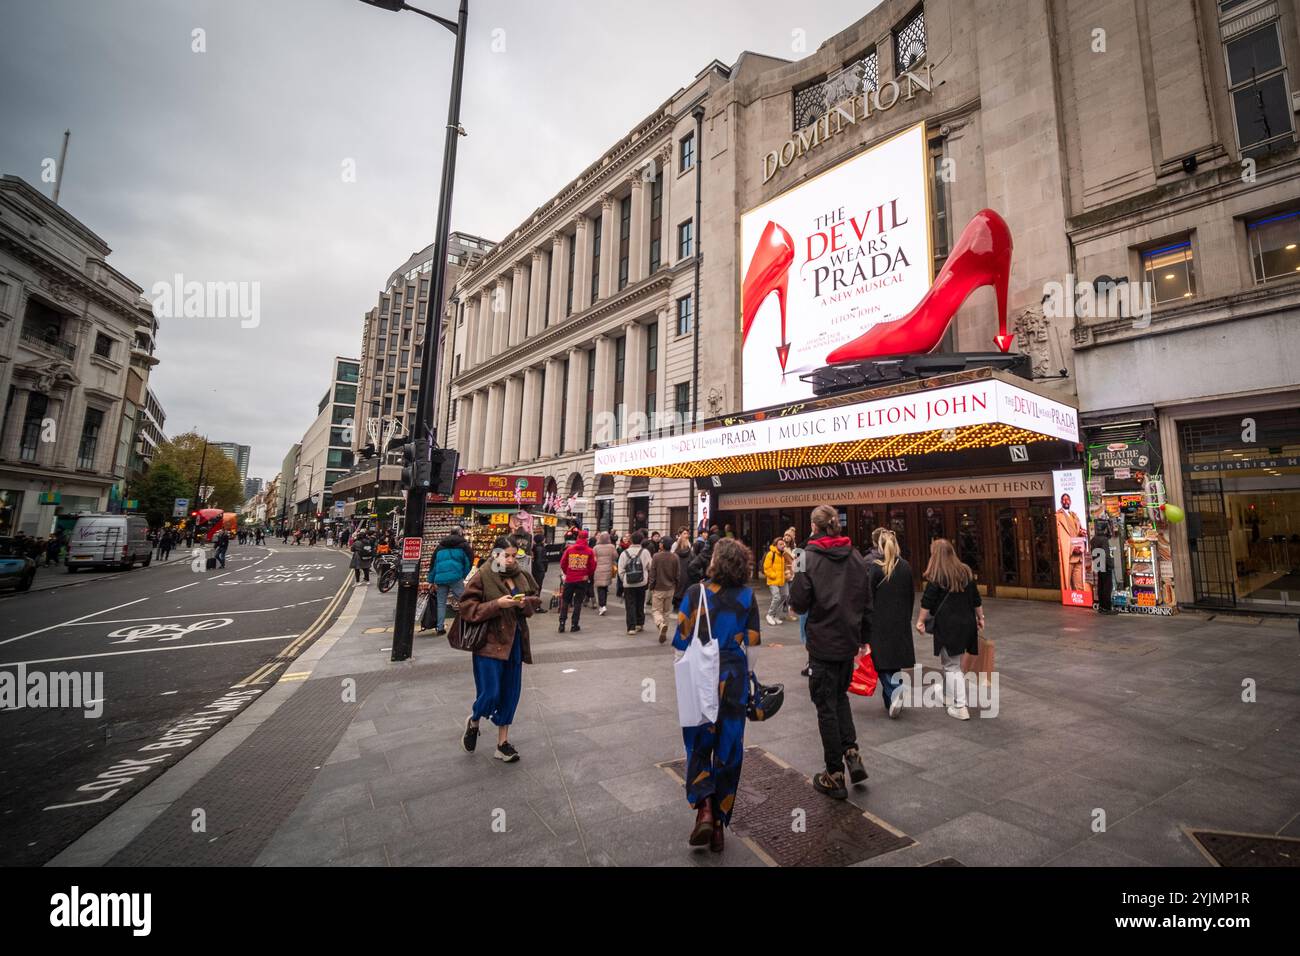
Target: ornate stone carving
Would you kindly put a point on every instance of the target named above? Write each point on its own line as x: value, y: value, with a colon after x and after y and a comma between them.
x: 715, y: 398
x: 60, y: 291
x: 1033, y: 332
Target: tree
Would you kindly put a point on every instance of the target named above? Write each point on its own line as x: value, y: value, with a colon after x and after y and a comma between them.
x: 158, y: 490
x: 184, y: 454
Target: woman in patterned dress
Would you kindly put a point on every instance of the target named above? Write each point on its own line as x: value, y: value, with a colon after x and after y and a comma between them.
x: 714, y: 751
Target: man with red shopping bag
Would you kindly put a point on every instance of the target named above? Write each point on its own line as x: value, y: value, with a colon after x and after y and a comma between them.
x: 833, y: 590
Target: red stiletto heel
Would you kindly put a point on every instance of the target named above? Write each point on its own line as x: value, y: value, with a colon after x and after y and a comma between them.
x: 982, y: 256
x: 768, y: 272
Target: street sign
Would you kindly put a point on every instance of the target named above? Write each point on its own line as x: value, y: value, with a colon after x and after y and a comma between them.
x: 180, y: 507
x: 410, y: 555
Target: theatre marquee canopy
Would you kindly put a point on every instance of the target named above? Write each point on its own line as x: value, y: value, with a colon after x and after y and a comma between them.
x: 981, y: 414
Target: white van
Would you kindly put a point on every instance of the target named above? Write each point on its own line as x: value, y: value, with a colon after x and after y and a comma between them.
x: 109, y: 541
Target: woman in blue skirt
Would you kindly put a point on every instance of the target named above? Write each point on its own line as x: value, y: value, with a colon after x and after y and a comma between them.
x: 714, y: 751
x: 503, y: 593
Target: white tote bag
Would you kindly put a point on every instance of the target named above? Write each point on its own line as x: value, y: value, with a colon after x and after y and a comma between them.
x: 697, y: 674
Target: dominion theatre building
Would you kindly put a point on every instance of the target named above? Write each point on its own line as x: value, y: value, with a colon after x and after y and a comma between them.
x: 861, y: 313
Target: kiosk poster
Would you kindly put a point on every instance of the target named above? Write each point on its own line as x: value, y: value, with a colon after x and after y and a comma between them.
x: 1072, y: 537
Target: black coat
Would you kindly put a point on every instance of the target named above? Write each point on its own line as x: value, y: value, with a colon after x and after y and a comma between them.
x: 955, y: 627
x: 834, y: 592
x: 891, y: 617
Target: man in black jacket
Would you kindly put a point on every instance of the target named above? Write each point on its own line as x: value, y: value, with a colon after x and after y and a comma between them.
x: 832, y: 589
x: 1103, y: 562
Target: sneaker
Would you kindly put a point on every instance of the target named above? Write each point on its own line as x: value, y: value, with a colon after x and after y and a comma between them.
x: 631, y: 630
x: 663, y: 635
x: 896, y: 705
x: 470, y: 739
x: 831, y: 784
x: 562, y: 627
x: 507, y: 753
x: 853, y: 760
x: 960, y: 713
x: 601, y: 612
x: 575, y: 629
x: 771, y: 620
x: 440, y: 630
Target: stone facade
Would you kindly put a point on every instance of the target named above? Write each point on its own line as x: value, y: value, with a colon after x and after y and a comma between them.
x: 76, y: 347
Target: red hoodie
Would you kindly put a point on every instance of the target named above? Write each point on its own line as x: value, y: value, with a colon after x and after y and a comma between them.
x: 578, y: 563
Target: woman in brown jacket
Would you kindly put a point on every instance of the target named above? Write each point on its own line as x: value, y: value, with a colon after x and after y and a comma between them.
x: 501, y: 592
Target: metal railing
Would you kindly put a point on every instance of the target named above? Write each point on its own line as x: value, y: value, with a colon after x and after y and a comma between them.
x: 50, y: 342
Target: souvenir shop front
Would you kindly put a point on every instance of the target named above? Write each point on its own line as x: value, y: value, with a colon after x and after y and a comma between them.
x: 979, y: 457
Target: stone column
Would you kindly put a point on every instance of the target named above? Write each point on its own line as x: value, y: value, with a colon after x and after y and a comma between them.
x: 603, y: 404
x: 636, y: 254
x: 510, y: 424
x: 478, y: 436
x: 608, y: 280
x: 464, y: 426
x: 536, y: 294
x: 498, y: 317
x: 13, y: 425
x: 667, y: 218
x: 518, y: 306
x: 582, y: 265
x: 634, y: 358
x: 529, y: 410
x: 575, y: 402
x: 552, y: 407
x: 467, y: 336
x: 665, y: 401
x: 555, y: 301
x: 493, y: 427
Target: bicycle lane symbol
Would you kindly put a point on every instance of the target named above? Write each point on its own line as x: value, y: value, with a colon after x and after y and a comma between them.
x: 166, y: 632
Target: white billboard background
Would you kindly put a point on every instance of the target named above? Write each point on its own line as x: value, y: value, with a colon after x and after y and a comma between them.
x: 886, y: 185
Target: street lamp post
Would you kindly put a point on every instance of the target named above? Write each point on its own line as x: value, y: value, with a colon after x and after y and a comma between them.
x: 425, y: 424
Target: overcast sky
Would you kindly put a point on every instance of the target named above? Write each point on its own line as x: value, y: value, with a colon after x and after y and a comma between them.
x: 228, y: 165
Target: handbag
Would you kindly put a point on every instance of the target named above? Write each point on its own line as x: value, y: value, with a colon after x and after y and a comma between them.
x: 468, y: 635
x: 865, y: 677
x: 424, y: 611
x: 696, y: 674
x: 929, y: 621
x: 764, y: 699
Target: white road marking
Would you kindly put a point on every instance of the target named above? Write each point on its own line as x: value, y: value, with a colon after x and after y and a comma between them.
x: 182, y: 587
x: 168, y: 693
x: 150, y: 650
x: 75, y: 620
x: 159, y: 617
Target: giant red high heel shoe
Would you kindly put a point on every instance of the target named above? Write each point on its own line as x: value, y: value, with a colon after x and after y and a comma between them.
x: 982, y: 256
x: 769, y: 271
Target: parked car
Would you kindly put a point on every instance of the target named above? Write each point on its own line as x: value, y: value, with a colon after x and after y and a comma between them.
x: 109, y: 541
x: 17, y: 570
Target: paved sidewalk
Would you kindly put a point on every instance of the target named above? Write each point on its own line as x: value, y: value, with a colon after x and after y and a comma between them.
x: 1139, y: 718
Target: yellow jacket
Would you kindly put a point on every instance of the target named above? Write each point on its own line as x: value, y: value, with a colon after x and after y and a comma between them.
x: 774, y: 566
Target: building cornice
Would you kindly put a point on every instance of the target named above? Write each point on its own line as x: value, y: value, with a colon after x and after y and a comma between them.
x: 23, y: 250
x: 594, y: 181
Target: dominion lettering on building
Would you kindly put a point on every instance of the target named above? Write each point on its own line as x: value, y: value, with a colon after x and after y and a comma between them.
x: 832, y: 122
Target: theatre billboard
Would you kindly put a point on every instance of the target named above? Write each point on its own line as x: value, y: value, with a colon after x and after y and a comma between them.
x: 827, y: 260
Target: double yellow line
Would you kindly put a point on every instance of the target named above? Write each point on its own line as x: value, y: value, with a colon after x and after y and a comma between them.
x: 263, y: 673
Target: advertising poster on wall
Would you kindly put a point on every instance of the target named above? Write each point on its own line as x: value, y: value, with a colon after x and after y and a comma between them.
x: 827, y: 260
x: 1070, y: 493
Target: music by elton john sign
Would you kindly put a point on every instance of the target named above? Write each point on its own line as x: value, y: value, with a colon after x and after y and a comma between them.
x: 829, y: 259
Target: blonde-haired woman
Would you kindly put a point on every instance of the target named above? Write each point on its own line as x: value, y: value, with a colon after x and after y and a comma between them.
x: 954, y: 601
x: 891, y: 618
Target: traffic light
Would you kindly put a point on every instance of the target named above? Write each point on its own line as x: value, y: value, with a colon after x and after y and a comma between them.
x: 416, y: 468
x: 443, y: 465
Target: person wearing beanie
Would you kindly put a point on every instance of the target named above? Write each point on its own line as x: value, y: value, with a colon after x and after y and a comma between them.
x: 503, y: 593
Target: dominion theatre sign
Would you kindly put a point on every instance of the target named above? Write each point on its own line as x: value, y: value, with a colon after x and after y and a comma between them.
x: 847, y: 113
